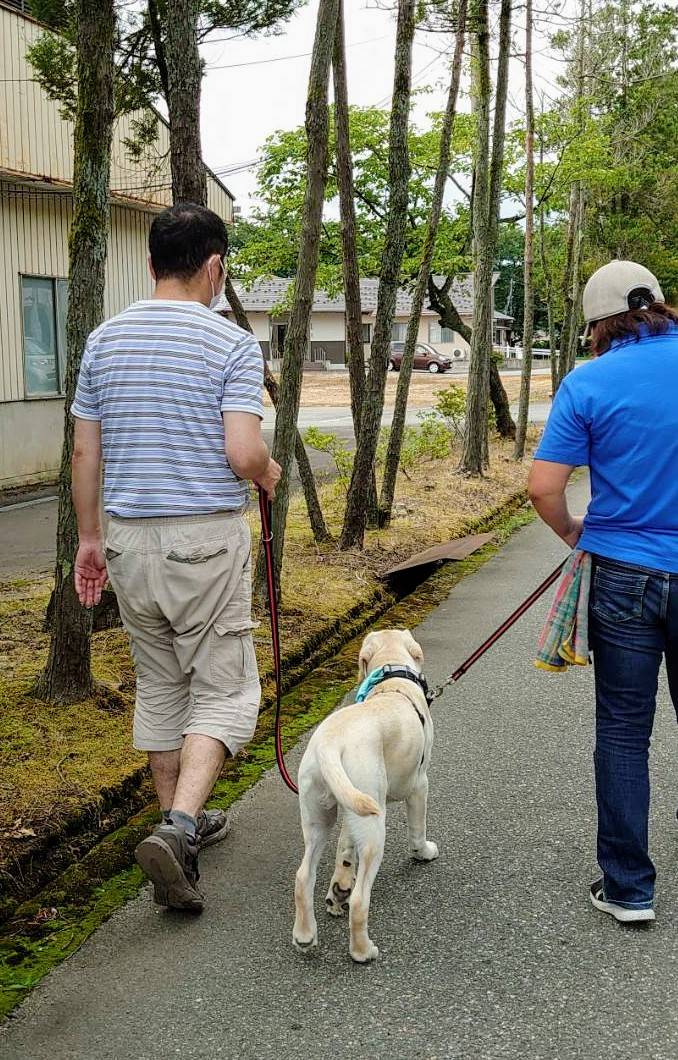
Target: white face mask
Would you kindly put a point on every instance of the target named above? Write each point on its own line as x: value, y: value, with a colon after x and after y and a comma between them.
x: 216, y: 298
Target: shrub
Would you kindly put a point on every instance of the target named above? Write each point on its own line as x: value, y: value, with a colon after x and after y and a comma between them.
x: 337, y: 449
x: 451, y: 406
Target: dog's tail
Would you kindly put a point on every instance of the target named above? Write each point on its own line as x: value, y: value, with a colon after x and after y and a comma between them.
x: 339, y: 783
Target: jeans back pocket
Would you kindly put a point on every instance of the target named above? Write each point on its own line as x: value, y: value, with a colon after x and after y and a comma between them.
x: 618, y: 594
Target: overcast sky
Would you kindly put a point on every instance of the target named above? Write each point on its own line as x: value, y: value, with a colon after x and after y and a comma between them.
x: 246, y: 96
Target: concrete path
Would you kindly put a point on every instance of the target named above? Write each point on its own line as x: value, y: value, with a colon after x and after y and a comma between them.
x: 491, y: 952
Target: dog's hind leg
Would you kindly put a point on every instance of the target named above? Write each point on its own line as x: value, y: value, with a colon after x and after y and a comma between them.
x: 316, y: 823
x: 369, y: 835
x: 344, y: 874
x: 420, y: 848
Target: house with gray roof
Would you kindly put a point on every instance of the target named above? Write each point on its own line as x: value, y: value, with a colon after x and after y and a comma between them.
x: 266, y: 304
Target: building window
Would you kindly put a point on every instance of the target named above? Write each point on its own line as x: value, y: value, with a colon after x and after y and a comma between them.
x: 436, y: 334
x: 44, y: 318
x: 367, y: 333
x: 398, y: 332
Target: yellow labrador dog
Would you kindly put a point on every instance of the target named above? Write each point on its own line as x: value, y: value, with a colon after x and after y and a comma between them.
x: 361, y: 757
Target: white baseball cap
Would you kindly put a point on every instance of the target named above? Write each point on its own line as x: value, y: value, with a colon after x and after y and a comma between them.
x: 618, y: 287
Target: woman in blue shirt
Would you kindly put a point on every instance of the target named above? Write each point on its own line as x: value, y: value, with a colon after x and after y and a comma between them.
x: 618, y: 415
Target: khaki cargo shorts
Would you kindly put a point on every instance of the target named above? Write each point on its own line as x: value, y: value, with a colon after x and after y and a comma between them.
x: 184, y: 587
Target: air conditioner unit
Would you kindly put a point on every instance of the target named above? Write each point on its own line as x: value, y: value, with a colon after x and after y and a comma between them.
x: 459, y: 355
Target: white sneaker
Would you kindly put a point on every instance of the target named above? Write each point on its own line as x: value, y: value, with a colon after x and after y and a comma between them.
x: 619, y: 912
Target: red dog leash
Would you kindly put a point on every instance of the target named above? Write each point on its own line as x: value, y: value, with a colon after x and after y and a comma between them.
x: 265, y: 511
x: 267, y: 541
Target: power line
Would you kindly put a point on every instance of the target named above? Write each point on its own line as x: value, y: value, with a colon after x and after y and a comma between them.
x: 284, y: 58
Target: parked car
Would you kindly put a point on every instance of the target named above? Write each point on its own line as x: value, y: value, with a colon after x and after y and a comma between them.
x: 425, y: 357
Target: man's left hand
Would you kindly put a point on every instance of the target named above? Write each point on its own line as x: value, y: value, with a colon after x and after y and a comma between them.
x: 90, y: 572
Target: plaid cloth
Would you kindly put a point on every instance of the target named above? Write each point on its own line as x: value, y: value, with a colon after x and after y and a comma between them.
x: 564, y: 640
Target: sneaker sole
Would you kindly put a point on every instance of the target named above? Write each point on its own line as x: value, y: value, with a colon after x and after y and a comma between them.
x: 624, y: 916
x: 216, y: 837
x: 170, y: 885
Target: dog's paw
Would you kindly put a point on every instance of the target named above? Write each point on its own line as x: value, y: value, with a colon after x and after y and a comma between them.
x: 303, y: 942
x: 364, y: 956
x: 428, y: 852
x: 337, y: 899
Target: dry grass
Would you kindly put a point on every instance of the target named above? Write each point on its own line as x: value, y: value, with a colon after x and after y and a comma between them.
x: 331, y: 390
x: 52, y: 759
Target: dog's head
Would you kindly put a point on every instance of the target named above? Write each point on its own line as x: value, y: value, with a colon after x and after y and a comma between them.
x: 390, y: 646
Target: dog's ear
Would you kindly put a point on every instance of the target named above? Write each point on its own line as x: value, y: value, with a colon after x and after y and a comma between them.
x: 413, y: 647
x: 366, y: 652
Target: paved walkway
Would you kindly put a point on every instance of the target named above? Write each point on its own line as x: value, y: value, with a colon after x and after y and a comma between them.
x: 491, y: 952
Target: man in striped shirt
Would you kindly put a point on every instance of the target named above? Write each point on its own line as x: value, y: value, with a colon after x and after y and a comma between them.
x: 170, y: 398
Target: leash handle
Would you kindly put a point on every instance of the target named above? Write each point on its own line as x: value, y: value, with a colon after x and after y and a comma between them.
x: 502, y: 629
x: 266, y: 515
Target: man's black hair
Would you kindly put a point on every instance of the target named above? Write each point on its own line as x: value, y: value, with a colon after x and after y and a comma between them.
x: 183, y: 237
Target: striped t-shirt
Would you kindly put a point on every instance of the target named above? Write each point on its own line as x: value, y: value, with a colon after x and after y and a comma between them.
x: 158, y: 377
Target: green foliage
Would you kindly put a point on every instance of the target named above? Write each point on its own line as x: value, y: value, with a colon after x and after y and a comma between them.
x: 451, y: 406
x: 271, y: 236
x: 335, y: 447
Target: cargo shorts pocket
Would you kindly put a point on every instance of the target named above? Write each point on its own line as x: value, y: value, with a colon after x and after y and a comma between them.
x: 233, y: 661
x: 187, y: 552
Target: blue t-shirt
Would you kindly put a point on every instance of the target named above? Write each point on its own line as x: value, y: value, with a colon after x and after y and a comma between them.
x: 618, y: 414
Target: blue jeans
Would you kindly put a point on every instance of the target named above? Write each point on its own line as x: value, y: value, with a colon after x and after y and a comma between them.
x: 633, y: 623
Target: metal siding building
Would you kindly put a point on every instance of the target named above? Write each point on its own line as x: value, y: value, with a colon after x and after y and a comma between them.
x: 36, y: 166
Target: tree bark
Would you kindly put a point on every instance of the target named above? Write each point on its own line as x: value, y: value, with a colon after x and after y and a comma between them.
x: 475, y: 442
x: 67, y: 677
x: 355, y: 518
x: 355, y: 355
x: 184, y: 77
x: 317, y: 125
x: 528, y: 313
x: 574, y: 229
x: 505, y: 424
x: 569, y: 281
x: 315, y: 514
x: 407, y: 364
x: 158, y: 46
x: 548, y: 280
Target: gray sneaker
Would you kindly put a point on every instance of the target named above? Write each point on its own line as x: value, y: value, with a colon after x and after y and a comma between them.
x: 213, y: 826
x: 170, y: 859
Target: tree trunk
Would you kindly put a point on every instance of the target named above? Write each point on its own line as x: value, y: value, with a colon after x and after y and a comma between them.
x: 475, y: 443
x: 575, y: 224
x: 505, y: 424
x: 184, y: 77
x: 67, y: 677
x: 528, y: 314
x: 548, y: 280
x: 355, y: 355
x: 355, y: 518
x: 317, y: 123
x: 158, y: 46
x: 502, y: 410
x: 569, y: 282
x: 405, y: 374
x: 315, y: 515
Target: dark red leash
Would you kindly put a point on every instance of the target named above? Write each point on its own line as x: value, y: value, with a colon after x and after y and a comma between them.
x: 501, y: 630
x: 267, y: 540
x: 265, y: 511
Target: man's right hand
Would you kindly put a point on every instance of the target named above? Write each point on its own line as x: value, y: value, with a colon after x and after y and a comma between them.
x: 270, y: 479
